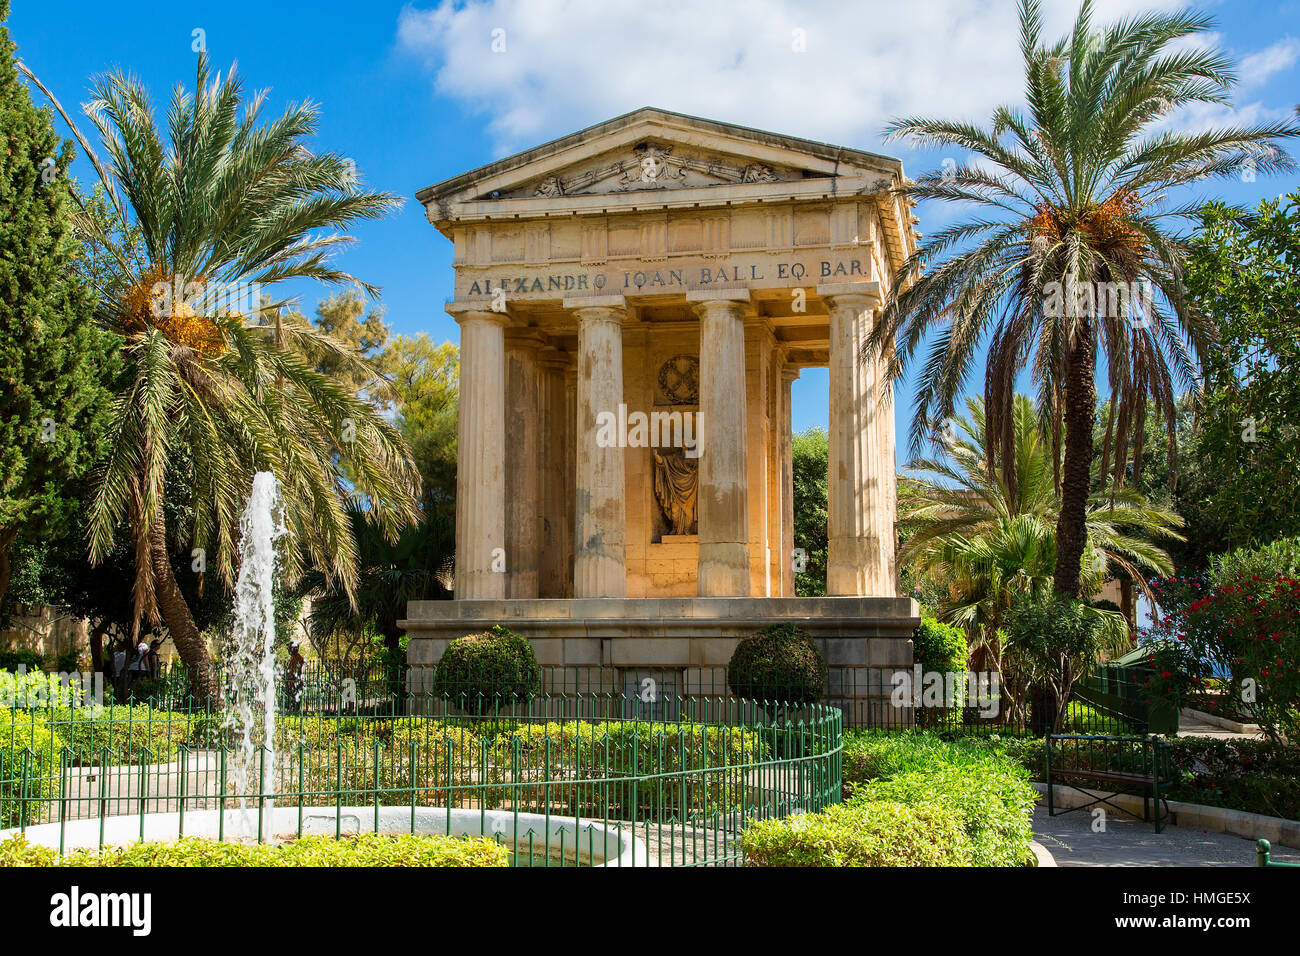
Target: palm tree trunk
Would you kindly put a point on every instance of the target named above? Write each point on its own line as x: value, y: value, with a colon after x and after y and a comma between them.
x: 1076, y: 478
x: 180, y: 622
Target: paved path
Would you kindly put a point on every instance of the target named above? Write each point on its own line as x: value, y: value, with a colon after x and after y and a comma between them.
x: 1191, y: 727
x: 1130, y: 842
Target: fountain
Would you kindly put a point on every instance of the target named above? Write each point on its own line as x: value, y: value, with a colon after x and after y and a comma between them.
x: 249, y: 684
x: 247, y: 808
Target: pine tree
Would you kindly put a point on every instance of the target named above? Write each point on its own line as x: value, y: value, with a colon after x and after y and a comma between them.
x: 53, y: 399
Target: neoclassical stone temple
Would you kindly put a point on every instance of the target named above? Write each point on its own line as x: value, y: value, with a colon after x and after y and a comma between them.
x: 634, y: 301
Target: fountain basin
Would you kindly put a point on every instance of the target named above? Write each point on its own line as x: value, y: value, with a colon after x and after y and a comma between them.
x: 588, y: 842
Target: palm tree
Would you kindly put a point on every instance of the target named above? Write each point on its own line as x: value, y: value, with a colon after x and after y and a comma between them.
x: 993, y: 544
x: 210, y: 395
x: 1070, y: 257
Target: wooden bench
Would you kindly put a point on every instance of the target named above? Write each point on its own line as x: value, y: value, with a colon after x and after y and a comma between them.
x: 1134, y: 762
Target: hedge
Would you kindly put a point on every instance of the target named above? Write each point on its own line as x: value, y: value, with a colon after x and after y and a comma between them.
x: 19, y: 733
x: 860, y: 834
x: 367, y: 849
x: 990, y: 795
x: 912, y: 800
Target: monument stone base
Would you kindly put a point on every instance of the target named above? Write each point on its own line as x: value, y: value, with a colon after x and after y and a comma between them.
x: 688, y: 636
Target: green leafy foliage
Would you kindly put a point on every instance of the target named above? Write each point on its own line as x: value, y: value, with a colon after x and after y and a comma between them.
x: 913, y: 800
x: 29, y: 764
x: 366, y: 849
x: 990, y: 797
x: 54, y: 361
x: 939, y: 647
x: 1056, y: 639
x: 810, y: 463
x: 1244, y: 273
x: 481, y: 672
x: 779, y: 663
x: 860, y: 834
x: 1244, y: 623
x: 1255, y: 776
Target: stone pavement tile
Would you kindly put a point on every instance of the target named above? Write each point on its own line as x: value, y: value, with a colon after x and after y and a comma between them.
x: 1131, y: 842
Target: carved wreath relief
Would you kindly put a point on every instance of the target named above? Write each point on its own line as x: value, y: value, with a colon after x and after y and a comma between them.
x: 653, y: 166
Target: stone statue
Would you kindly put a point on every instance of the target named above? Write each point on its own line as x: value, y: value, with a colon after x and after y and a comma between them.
x: 676, y: 481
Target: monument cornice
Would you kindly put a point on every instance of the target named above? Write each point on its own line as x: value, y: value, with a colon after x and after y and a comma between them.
x: 649, y: 122
x: 693, y: 197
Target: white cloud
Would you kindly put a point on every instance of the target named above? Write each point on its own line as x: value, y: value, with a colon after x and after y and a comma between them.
x: 570, y: 63
x: 1256, y: 68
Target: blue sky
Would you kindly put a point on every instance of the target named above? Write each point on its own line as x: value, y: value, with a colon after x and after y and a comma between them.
x: 415, y: 94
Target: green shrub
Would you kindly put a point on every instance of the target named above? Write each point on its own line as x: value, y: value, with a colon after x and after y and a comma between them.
x: 987, y: 792
x: 994, y: 809
x: 1048, y: 633
x: 779, y: 663
x: 37, y: 689
x: 367, y: 849
x: 483, y: 672
x: 12, y: 659
x: 20, y: 732
x: 937, y: 646
x: 860, y: 834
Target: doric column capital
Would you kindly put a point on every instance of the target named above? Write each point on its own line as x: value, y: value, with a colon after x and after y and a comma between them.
x: 789, y: 373
x: 607, y: 308
x: 718, y: 302
x: 477, y: 311
x: 851, y: 295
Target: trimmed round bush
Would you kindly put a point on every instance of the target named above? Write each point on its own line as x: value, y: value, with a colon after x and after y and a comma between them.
x: 483, y: 671
x: 781, y: 663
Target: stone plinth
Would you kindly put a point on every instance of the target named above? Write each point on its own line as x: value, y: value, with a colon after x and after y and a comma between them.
x: 669, y: 632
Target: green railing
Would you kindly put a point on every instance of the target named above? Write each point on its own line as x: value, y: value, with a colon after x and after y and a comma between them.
x: 541, y: 776
x: 865, y: 696
x: 1263, y: 852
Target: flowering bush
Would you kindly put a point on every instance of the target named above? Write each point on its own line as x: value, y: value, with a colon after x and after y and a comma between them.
x: 1242, y: 625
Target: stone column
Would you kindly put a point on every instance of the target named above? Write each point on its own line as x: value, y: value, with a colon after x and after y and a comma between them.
x: 480, y: 469
x: 523, y: 464
x: 600, y: 565
x: 786, y: 444
x: 861, y: 532
x: 556, y: 455
x: 570, y: 473
x: 723, y: 481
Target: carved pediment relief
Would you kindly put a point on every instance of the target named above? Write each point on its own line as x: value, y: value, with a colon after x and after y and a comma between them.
x: 654, y: 165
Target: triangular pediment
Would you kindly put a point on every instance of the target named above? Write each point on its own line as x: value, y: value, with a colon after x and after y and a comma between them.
x: 646, y: 153
x: 654, y: 165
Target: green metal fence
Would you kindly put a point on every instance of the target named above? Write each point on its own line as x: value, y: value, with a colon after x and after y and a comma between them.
x: 866, y: 696
x: 678, y: 788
